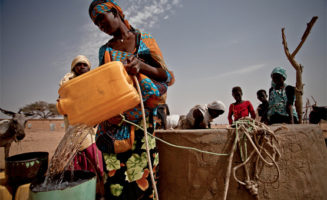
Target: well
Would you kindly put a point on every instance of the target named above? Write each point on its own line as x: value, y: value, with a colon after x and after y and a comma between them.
x: 186, y: 174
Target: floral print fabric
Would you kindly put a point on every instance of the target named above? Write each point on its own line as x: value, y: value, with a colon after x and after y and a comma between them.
x: 128, y: 174
x: 278, y: 102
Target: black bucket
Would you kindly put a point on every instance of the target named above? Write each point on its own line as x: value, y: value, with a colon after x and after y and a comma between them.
x: 24, y: 168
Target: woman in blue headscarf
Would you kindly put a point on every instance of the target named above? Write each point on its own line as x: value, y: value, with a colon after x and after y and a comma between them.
x: 281, y: 99
x: 127, y: 170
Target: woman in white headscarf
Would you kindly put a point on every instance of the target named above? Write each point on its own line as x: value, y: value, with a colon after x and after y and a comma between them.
x: 80, y: 65
x: 200, y: 116
x: 89, y: 157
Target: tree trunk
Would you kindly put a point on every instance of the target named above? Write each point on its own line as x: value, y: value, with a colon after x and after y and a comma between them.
x: 299, y: 93
x: 298, y: 67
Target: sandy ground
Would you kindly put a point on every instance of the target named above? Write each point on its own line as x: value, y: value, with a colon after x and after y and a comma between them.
x: 34, y: 141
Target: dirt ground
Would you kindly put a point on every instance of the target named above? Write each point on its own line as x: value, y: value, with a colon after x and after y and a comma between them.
x: 34, y: 141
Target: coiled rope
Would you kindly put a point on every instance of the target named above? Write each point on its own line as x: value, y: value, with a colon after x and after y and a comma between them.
x: 263, y: 142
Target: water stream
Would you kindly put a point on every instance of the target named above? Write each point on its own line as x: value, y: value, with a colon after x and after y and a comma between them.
x: 62, y: 160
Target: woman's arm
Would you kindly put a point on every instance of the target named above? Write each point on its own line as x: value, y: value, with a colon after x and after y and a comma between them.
x: 290, y: 113
x: 290, y: 93
x: 230, y: 114
x: 198, y: 119
x: 251, y: 109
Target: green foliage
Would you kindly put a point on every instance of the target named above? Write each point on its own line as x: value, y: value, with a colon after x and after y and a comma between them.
x: 41, y: 109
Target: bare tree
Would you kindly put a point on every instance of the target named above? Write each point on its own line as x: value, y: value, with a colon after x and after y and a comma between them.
x: 298, y: 67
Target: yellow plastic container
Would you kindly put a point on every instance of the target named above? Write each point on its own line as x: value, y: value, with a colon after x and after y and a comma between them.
x: 4, y: 193
x: 3, y: 179
x: 97, y: 95
x: 23, y: 192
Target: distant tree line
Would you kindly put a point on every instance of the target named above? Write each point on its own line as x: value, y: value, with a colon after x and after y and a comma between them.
x: 41, y: 110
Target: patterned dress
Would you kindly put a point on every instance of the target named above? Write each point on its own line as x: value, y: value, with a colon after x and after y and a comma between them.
x: 128, y: 174
x: 278, y: 101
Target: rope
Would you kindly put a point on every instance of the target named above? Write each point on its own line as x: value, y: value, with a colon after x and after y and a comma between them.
x: 174, y: 145
x: 229, y: 166
x: 259, y: 136
x: 146, y: 139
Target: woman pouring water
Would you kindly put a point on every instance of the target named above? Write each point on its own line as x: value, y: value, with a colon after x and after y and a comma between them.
x: 122, y: 144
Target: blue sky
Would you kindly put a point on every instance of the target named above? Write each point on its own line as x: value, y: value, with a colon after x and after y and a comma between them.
x: 210, y: 45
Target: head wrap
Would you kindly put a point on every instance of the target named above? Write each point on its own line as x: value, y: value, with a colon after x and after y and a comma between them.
x: 102, y: 6
x: 217, y: 105
x: 80, y: 59
x: 279, y: 70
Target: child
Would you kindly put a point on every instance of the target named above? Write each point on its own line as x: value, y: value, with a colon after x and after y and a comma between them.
x: 281, y: 99
x: 162, y: 114
x: 263, y: 107
x: 240, y: 108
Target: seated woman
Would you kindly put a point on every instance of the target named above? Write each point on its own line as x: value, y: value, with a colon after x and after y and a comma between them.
x: 281, y: 99
x: 240, y: 108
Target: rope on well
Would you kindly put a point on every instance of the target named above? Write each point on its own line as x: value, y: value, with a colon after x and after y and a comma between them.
x: 174, y: 145
x: 263, y: 142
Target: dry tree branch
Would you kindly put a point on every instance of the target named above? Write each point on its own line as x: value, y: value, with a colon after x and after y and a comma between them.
x: 288, y: 55
x: 305, y: 35
x: 298, y: 67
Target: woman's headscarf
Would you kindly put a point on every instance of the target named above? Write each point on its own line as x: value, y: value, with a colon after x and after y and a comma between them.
x: 217, y: 105
x: 70, y: 75
x: 279, y: 70
x: 101, y: 6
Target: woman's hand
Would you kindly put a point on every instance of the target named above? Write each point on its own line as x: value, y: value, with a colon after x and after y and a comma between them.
x: 133, y: 66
